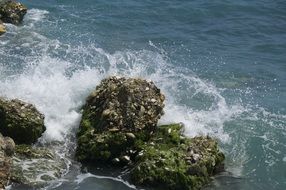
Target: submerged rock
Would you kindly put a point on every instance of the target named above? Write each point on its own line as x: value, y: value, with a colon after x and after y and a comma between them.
x: 12, y: 12
x: 36, y: 166
x: 2, y: 28
x: 172, y: 161
x: 21, y: 121
x: 119, y: 112
x: 7, y: 147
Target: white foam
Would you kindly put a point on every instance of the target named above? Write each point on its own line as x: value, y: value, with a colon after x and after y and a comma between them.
x: 35, y: 15
x: 58, y: 88
x: 80, y: 178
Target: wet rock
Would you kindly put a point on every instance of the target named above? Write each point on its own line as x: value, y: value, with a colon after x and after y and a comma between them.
x: 119, y: 129
x: 116, y: 115
x: 2, y: 28
x: 175, y: 163
x: 20, y: 121
x: 7, y: 147
x: 12, y: 12
x: 36, y: 166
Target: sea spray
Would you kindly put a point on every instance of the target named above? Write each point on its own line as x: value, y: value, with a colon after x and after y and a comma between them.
x: 58, y: 76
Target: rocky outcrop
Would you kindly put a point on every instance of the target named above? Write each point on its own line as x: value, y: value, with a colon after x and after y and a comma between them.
x: 20, y: 121
x: 12, y: 12
x: 118, y: 108
x: 119, y: 129
x: 169, y: 160
x: 41, y: 166
x: 7, y: 147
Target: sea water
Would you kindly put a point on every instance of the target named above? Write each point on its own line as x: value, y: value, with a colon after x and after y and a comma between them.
x: 221, y: 65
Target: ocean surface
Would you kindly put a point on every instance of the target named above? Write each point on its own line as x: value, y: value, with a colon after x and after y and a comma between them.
x: 221, y: 65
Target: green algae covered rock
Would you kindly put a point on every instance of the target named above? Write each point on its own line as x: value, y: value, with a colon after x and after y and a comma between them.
x: 172, y: 161
x: 119, y: 129
x: 7, y: 147
x: 20, y: 121
x: 12, y: 12
x: 119, y: 112
x: 36, y: 166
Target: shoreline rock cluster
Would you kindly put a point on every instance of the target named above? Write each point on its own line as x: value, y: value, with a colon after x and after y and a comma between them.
x: 24, y: 124
x: 11, y: 12
x: 119, y: 128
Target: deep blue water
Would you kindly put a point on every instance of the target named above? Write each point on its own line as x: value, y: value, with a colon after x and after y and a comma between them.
x: 221, y: 64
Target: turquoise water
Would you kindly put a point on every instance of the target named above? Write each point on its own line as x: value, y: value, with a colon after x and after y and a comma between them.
x: 221, y: 64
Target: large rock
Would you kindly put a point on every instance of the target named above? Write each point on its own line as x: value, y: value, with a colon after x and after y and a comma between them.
x: 12, y: 12
x: 172, y: 161
x: 113, y: 113
x: 7, y: 147
x: 119, y: 129
x: 2, y: 28
x: 20, y: 121
x: 36, y: 166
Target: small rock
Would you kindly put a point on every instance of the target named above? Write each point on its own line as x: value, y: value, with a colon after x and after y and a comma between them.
x: 130, y: 135
x: 12, y: 12
x: 125, y: 159
x: 2, y: 28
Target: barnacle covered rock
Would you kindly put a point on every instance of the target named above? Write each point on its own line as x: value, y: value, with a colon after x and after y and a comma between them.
x: 171, y: 161
x: 20, y: 121
x: 119, y: 128
x: 119, y: 112
x: 12, y: 12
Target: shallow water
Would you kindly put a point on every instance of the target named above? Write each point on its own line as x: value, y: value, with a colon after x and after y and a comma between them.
x: 221, y: 65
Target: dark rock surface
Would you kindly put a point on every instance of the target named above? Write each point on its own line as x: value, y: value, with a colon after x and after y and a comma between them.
x: 114, y: 112
x: 21, y: 121
x: 119, y: 129
x: 12, y: 12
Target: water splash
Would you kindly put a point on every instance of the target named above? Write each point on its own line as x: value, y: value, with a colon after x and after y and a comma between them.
x: 57, y: 77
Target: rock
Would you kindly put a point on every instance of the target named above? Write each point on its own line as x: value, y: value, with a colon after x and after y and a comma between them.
x: 20, y: 121
x: 176, y: 163
x: 7, y: 147
x: 2, y: 28
x: 36, y: 166
x: 119, y: 129
x: 116, y: 115
x: 12, y: 12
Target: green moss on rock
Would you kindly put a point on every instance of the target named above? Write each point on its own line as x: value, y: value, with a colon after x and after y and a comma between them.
x: 172, y: 161
x: 119, y: 128
x: 118, y: 109
x: 20, y: 121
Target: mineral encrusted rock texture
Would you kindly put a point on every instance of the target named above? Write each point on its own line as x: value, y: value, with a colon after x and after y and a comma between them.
x: 119, y: 129
x: 7, y: 147
x: 12, y: 12
x: 169, y: 160
x: 118, y: 108
x: 21, y: 121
